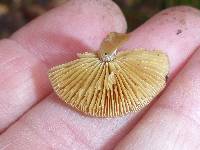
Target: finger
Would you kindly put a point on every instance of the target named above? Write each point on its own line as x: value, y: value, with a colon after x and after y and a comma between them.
x: 52, y: 117
x: 174, y: 121
x: 174, y: 31
x: 77, y: 25
x: 23, y: 80
x: 52, y: 38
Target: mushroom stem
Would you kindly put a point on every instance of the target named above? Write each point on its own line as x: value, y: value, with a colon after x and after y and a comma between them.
x: 110, y: 45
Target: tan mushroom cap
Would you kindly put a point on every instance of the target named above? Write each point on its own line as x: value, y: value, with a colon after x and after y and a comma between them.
x: 104, y: 87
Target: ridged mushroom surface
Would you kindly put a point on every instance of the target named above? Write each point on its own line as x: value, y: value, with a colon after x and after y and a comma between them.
x: 99, y: 88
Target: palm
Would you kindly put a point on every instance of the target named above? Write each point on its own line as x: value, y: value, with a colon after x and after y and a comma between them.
x: 45, y: 122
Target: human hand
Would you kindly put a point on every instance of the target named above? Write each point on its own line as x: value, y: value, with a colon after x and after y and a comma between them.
x: 36, y: 119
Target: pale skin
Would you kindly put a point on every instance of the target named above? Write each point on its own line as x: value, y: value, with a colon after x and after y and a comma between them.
x: 32, y: 117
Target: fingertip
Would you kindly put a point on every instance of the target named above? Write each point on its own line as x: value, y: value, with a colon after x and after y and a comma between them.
x: 174, y: 30
x: 70, y: 28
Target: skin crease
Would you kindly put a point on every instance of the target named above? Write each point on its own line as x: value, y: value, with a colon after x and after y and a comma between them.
x: 50, y: 40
